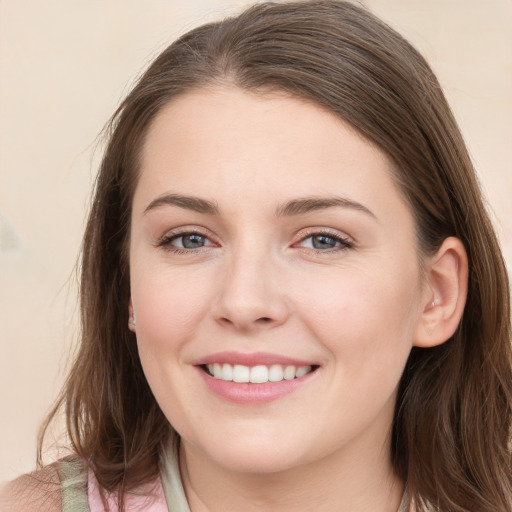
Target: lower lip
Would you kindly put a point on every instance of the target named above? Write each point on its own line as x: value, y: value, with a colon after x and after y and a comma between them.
x: 248, y: 393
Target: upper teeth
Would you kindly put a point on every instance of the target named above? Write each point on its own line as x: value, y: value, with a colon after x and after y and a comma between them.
x: 257, y: 374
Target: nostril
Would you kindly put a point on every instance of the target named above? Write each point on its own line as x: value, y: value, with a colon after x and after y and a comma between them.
x: 244, y: 320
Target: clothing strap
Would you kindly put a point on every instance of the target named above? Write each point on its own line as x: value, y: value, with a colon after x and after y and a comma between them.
x: 171, y: 479
x: 73, y: 477
x: 404, y: 504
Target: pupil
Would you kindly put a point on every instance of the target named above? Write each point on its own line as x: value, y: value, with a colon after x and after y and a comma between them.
x: 323, y: 242
x: 193, y: 241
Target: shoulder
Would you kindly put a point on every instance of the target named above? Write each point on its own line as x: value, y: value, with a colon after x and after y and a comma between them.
x: 38, y: 491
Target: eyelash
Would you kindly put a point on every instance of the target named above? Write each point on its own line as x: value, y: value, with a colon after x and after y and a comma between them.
x: 344, y: 242
x: 166, y: 241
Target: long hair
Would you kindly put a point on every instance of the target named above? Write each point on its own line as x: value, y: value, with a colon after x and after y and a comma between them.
x: 452, y: 425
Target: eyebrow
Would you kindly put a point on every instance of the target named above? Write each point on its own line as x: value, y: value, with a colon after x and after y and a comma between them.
x: 187, y: 202
x: 304, y: 205
x: 299, y: 206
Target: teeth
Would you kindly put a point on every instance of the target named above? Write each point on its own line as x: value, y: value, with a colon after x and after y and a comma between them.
x: 257, y: 374
x: 227, y: 372
x: 241, y: 373
x: 275, y: 373
x: 217, y: 371
x: 301, y: 371
x: 289, y: 373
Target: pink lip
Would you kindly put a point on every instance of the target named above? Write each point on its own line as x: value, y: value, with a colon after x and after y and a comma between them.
x: 253, y: 359
x: 251, y: 394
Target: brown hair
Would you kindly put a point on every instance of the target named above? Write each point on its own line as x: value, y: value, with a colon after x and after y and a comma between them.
x: 452, y: 425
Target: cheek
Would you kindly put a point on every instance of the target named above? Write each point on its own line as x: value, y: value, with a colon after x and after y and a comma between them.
x: 362, y: 316
x: 168, y: 307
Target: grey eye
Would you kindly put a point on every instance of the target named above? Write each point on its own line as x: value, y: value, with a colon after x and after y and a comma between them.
x: 323, y: 242
x: 192, y: 241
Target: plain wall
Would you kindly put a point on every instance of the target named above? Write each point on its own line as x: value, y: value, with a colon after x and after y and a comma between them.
x: 64, y: 66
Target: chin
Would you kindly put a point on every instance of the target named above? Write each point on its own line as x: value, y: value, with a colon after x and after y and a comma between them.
x: 261, y: 462
x: 260, y: 454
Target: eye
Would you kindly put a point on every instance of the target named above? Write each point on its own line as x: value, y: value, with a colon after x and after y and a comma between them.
x: 325, y: 242
x: 185, y: 241
x: 190, y: 241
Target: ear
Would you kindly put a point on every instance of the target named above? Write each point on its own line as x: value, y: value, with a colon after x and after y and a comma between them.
x: 445, y: 294
x: 131, y: 318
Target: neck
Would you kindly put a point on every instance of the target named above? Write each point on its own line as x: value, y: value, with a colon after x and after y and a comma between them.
x: 361, y: 481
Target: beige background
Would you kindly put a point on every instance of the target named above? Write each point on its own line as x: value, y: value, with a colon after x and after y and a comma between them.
x: 64, y: 66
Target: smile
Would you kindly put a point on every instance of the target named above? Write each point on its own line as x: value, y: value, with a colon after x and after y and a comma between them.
x: 254, y: 378
x: 259, y: 374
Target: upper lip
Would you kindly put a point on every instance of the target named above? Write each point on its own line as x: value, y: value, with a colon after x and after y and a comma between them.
x: 251, y: 359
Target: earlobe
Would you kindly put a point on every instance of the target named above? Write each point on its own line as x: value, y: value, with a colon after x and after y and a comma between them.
x: 445, y: 296
x: 131, y: 320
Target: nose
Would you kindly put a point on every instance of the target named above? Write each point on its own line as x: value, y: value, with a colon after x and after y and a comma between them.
x: 250, y: 295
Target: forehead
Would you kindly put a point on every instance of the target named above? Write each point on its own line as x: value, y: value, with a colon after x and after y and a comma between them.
x: 225, y: 142
x: 223, y: 115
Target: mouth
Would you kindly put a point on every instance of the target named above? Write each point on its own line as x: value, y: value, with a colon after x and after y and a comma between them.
x: 259, y: 374
x: 255, y: 378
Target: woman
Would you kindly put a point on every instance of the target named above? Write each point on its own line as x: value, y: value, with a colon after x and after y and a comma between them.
x: 289, y: 261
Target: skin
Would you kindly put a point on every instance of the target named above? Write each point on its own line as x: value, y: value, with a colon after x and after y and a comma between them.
x: 259, y: 285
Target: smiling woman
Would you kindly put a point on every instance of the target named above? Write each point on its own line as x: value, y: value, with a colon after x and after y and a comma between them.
x: 279, y: 279
x: 292, y: 295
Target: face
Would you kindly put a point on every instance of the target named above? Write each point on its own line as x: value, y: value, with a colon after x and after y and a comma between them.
x: 275, y: 280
